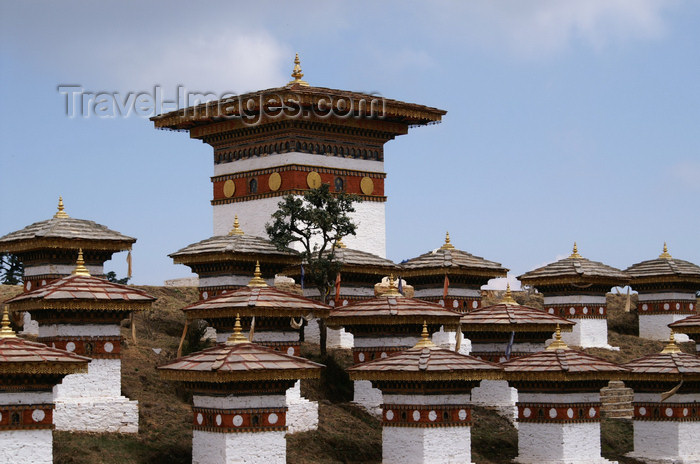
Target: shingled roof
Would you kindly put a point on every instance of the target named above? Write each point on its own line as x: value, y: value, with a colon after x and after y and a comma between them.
x: 669, y: 365
x: 509, y: 316
x: 574, y: 268
x: 426, y: 362
x: 239, y: 360
x: 392, y: 308
x: 447, y: 259
x: 256, y: 299
x: 62, y: 231
x: 665, y: 268
x: 689, y: 325
x: 356, y: 261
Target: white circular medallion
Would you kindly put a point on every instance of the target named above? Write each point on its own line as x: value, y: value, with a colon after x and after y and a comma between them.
x: 416, y: 416
x: 572, y: 310
x: 432, y: 415
x: 475, y: 304
x: 502, y: 359
x: 345, y: 302
x: 38, y: 415
x: 585, y: 310
x: 669, y: 412
x: 690, y: 306
x: 331, y: 303
x: 205, y: 295
x: 550, y: 310
x: 361, y: 357
x: 643, y: 411
x: 200, y: 418
x: 455, y: 304
x: 442, y: 303
x: 218, y: 419
x: 601, y: 310
x: 591, y: 412
x: 678, y: 306
x: 43, y: 282
x: 109, y: 347
x: 462, y: 414
x: 527, y: 412
x: 237, y: 420
x: 383, y: 355
x: 645, y: 307
x: 70, y: 346
x: 290, y: 351
x: 552, y: 413
x: 272, y: 418
x: 570, y: 413
x: 666, y: 306
x: 390, y: 415
x: 29, y: 285
x: 685, y: 412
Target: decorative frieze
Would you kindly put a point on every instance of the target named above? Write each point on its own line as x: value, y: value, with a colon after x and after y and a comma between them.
x: 26, y: 417
x: 578, y: 311
x: 93, y: 347
x: 422, y: 415
x: 543, y: 413
x: 239, y: 420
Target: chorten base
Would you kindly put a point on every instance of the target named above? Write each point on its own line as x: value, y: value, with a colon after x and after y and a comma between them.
x: 302, y: 414
x: 655, y: 326
x: 116, y: 414
x: 240, y: 448
x: 339, y: 339
x: 557, y: 443
x: 419, y: 445
x: 26, y: 446
x: 588, y: 333
x: 367, y: 397
x: 498, y: 396
x: 666, y: 441
x: 448, y: 340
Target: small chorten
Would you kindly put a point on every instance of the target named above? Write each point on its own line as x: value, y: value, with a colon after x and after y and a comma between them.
x: 666, y: 416
x: 28, y: 373
x: 426, y: 415
x: 239, y: 405
x: 575, y: 288
x: 666, y: 287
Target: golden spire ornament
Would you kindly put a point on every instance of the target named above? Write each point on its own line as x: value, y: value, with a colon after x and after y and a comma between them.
x: 508, y: 297
x: 257, y: 280
x: 339, y: 244
x: 425, y: 341
x: 447, y: 245
x: 237, y: 336
x: 574, y: 254
x: 5, y: 329
x: 557, y: 344
x: 671, y: 346
x: 236, y: 227
x: 665, y: 254
x: 60, y: 214
x: 297, y: 74
x: 80, y: 268
x: 393, y: 287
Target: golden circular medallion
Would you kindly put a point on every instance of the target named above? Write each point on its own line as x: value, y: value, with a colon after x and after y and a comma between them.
x: 367, y: 186
x: 274, y: 181
x: 229, y: 188
x: 313, y: 180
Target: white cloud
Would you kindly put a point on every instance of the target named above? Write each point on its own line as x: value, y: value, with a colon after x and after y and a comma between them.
x: 501, y: 283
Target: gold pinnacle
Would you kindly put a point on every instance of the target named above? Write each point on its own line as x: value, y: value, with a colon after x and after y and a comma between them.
x: 80, y: 268
x: 237, y: 335
x: 575, y: 254
x: 393, y: 288
x: 257, y: 280
x: 5, y: 329
x: 424, y: 341
x: 339, y: 243
x: 665, y: 254
x: 60, y: 213
x: 671, y: 346
x: 557, y: 344
x: 447, y: 245
x: 297, y: 74
x: 508, y: 297
x: 236, y: 227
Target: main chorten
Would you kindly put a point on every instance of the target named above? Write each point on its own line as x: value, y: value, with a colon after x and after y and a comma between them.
x: 290, y: 139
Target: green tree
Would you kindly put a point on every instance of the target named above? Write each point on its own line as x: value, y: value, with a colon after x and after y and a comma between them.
x: 11, y: 269
x: 316, y: 221
x: 112, y: 277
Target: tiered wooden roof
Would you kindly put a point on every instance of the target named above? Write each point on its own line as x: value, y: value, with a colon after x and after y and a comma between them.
x: 449, y: 260
x: 560, y: 363
x: 665, y: 268
x: 392, y: 308
x: 574, y: 269
x: 256, y: 299
x: 426, y: 362
x: 239, y: 360
x: 23, y: 357
x: 668, y: 366
x: 63, y: 231
x: 81, y: 291
x: 689, y: 325
x: 509, y: 316
x: 356, y: 262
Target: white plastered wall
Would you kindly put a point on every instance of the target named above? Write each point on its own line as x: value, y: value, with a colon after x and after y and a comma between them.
x: 655, y: 326
x: 551, y: 443
x: 418, y: 445
x: 26, y: 446
x: 498, y: 395
x: 588, y: 333
x: 238, y: 448
x: 368, y: 397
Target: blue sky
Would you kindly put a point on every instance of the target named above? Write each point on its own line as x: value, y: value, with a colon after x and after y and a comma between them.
x: 566, y: 120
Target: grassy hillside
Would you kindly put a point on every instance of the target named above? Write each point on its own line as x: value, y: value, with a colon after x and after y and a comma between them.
x: 346, y: 433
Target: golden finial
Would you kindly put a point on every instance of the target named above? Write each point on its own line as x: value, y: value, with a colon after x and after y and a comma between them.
x: 257, y: 280
x: 60, y: 213
x: 447, y: 245
x: 5, y: 329
x: 557, y: 344
x: 237, y: 335
x: 236, y: 227
x: 80, y: 268
x: 425, y: 341
x: 665, y: 254
x: 508, y: 297
x: 575, y: 254
x: 339, y: 244
x: 671, y: 346
x: 393, y: 287
x: 297, y: 74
